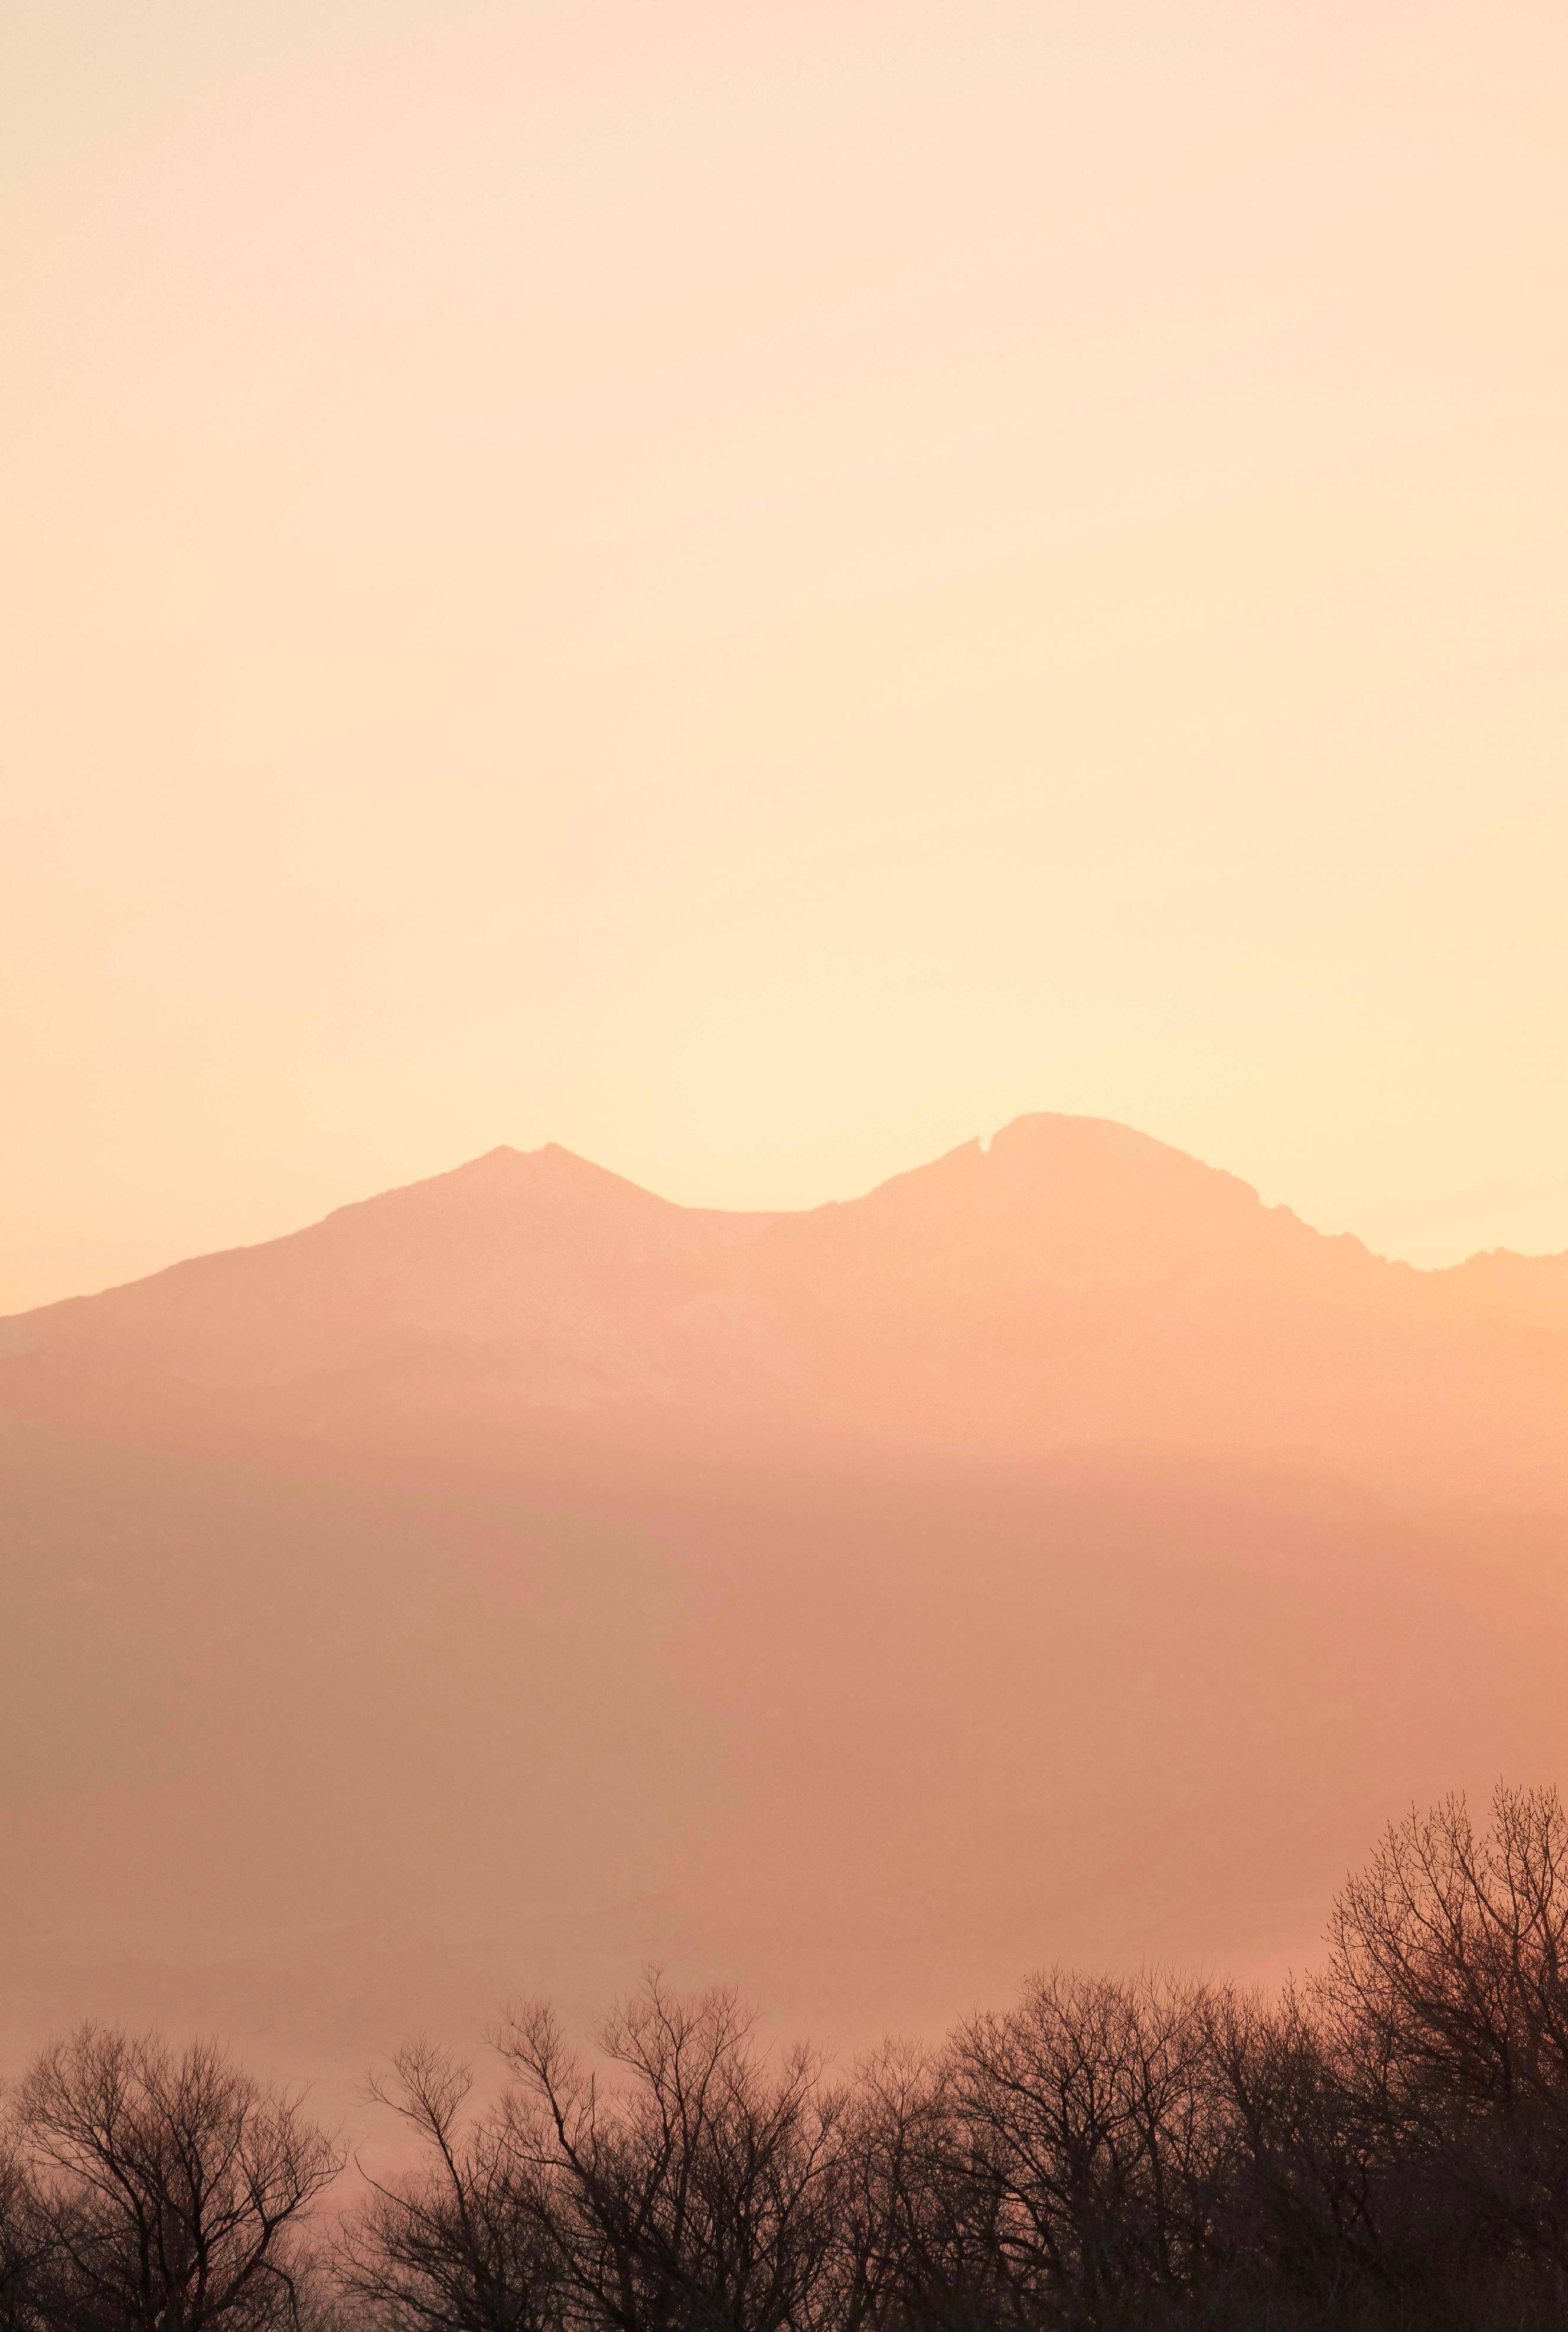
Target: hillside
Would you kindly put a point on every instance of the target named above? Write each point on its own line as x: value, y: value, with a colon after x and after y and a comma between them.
x: 1053, y: 1552
x: 1076, y: 1286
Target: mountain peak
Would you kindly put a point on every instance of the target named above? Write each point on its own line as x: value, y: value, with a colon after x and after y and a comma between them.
x: 550, y: 1173
x: 1071, y: 1282
x: 1096, y: 1142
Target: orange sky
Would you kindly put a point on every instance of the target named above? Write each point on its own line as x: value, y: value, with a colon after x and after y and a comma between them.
x: 758, y: 589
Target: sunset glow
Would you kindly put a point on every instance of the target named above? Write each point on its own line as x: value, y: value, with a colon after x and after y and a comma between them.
x: 784, y: 1225
x: 755, y: 589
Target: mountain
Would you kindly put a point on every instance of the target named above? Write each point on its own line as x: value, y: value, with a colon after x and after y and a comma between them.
x: 1074, y: 1286
x: 1055, y: 1552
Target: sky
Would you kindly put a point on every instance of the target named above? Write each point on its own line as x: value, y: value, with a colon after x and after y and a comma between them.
x: 758, y: 589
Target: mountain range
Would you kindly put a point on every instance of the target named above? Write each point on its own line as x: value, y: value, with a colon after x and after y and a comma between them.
x: 1056, y: 1553
x: 1075, y: 1285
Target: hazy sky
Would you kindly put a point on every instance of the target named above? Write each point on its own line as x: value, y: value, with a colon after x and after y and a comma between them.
x: 758, y: 589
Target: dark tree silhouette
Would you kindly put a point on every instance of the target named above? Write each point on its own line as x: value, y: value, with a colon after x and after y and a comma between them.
x: 700, y: 2187
x: 163, y: 2192
x: 1382, y: 2148
x: 1091, y: 2111
x: 468, y: 2242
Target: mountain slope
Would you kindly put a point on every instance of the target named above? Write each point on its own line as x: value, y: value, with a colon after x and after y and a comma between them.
x: 1053, y: 1554
x: 1076, y: 1285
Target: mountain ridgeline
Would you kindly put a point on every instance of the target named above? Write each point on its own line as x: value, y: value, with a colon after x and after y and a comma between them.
x: 1055, y: 1553
x: 1074, y: 1287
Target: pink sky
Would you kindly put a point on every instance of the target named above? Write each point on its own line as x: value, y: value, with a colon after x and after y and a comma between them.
x: 757, y: 590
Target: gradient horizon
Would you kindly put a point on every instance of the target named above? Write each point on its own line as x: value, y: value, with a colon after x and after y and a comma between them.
x: 757, y: 592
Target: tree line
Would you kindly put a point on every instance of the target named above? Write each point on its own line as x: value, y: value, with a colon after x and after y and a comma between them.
x: 1384, y: 2144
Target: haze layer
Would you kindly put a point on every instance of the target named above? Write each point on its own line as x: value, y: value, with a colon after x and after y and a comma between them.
x: 1053, y: 1554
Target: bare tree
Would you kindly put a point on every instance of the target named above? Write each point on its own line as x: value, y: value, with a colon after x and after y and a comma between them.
x: 468, y: 2242
x: 1446, y: 2001
x: 923, y: 2211
x: 1092, y: 2109
x: 27, y: 2248
x: 170, y: 2190
x: 1299, y: 2198
x: 1448, y: 1957
x: 697, y: 2187
x: 1382, y: 2148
